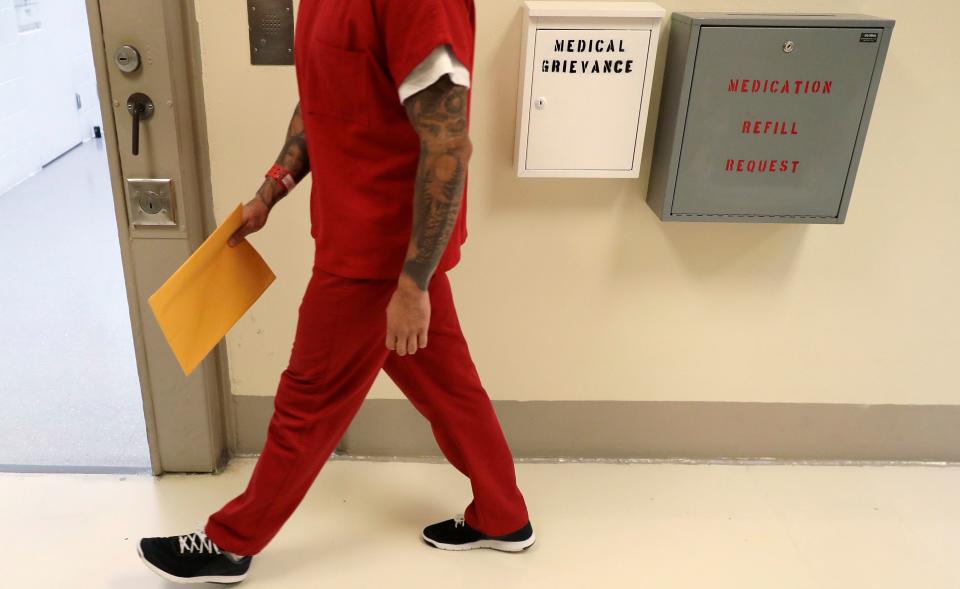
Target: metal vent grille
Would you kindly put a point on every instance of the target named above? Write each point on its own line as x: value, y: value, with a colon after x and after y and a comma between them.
x: 271, y: 24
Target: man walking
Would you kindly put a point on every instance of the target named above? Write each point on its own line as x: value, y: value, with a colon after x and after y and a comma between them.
x: 387, y: 214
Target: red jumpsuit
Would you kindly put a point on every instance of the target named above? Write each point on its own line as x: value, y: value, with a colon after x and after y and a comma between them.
x: 351, y: 58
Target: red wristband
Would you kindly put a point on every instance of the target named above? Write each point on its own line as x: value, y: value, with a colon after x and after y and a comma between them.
x: 282, y: 176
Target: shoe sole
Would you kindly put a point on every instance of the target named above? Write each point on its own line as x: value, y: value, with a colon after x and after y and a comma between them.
x: 189, y: 580
x: 501, y: 545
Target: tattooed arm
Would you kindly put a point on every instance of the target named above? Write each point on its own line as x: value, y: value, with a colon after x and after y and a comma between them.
x: 294, y: 158
x: 439, y: 116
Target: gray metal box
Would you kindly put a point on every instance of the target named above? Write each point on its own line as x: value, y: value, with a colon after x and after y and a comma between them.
x: 763, y: 116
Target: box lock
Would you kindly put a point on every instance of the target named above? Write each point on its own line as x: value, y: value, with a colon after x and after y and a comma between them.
x: 788, y: 47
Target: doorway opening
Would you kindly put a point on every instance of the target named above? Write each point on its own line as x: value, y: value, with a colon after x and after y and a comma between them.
x: 70, y: 396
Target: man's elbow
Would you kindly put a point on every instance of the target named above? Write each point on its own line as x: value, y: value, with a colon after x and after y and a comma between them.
x: 462, y: 150
x: 459, y: 147
x: 467, y: 148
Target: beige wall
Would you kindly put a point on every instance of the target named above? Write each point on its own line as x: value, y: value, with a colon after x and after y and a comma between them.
x: 573, y: 290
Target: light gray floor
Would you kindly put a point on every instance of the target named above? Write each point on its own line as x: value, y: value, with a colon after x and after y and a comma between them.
x: 69, y: 394
x: 603, y: 526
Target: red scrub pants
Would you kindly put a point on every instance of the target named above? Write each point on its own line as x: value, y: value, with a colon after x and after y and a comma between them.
x: 338, y: 351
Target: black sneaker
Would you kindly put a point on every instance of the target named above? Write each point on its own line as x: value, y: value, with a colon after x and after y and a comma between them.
x: 191, y: 558
x: 455, y: 534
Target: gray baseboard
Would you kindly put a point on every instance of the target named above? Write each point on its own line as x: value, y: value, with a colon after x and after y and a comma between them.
x: 657, y: 430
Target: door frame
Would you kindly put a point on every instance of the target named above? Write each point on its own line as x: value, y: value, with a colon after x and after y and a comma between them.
x: 173, y: 405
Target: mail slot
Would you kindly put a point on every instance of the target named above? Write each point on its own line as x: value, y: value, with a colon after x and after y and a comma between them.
x: 763, y: 117
x: 585, y: 81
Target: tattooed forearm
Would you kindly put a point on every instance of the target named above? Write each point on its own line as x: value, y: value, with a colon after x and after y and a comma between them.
x: 293, y: 157
x: 439, y: 115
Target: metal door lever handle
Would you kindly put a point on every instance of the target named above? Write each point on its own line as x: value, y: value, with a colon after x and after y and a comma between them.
x: 141, y: 107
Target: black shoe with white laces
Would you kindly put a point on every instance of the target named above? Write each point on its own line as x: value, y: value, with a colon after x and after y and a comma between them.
x: 455, y: 534
x: 191, y: 558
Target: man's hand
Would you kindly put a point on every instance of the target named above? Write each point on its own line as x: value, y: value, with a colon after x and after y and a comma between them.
x: 408, y: 317
x: 255, y: 215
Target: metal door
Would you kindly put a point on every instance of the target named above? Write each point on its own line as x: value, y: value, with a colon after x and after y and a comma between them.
x: 183, y: 414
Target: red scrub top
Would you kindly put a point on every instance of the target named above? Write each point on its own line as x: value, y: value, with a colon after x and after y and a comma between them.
x: 351, y: 57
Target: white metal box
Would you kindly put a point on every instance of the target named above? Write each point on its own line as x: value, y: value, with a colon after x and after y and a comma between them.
x: 585, y: 78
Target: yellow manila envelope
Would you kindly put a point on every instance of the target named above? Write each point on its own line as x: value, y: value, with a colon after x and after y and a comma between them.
x: 209, y: 293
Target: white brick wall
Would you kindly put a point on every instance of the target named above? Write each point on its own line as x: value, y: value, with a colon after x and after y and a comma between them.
x: 38, y: 117
x: 18, y: 157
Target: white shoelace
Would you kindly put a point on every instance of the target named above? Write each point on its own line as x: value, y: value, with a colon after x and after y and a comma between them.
x: 458, y: 520
x: 197, y: 541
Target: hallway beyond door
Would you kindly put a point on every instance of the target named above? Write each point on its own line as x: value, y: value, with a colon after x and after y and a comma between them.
x: 68, y: 376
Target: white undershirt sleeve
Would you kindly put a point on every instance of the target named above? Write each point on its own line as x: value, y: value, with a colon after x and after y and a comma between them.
x: 439, y: 63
